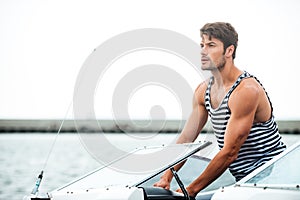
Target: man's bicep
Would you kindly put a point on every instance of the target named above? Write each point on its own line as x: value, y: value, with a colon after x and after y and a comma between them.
x: 193, y: 125
x: 237, y: 131
x: 243, y: 106
x: 196, y: 120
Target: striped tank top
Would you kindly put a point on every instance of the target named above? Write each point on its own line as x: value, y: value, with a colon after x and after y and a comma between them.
x: 263, y: 142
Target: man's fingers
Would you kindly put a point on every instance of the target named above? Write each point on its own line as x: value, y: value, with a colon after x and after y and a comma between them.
x: 179, y: 190
x: 162, y: 185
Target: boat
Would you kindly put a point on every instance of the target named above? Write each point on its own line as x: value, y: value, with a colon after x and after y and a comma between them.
x: 110, y: 182
x: 278, y: 179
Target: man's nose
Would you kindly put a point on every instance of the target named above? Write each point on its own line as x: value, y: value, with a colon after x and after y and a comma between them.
x: 203, y: 51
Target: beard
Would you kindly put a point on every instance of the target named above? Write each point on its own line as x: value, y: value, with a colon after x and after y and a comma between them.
x: 218, y: 65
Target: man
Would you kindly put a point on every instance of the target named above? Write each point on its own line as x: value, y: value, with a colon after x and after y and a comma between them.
x: 239, y: 108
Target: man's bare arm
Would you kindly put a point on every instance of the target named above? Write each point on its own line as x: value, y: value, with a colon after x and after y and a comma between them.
x: 243, y: 105
x: 197, y: 119
x: 190, y: 131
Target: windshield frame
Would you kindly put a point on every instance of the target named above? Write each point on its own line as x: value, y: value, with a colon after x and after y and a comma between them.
x: 92, y: 176
x: 248, y: 182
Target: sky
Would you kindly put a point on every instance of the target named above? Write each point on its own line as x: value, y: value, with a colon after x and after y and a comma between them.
x: 44, y: 45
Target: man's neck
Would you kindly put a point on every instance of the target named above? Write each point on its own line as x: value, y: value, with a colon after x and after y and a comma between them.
x: 226, y: 76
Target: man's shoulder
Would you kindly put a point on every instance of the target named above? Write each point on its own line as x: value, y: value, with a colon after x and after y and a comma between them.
x: 203, y: 85
x: 249, y: 83
x: 246, y: 87
x: 200, y: 91
x: 246, y: 93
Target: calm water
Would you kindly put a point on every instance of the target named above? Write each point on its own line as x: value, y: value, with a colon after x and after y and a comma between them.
x: 23, y: 156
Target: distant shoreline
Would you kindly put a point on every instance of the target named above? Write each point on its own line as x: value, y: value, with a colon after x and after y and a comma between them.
x: 94, y: 126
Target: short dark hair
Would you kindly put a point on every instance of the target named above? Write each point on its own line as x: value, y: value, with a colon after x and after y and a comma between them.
x: 222, y: 31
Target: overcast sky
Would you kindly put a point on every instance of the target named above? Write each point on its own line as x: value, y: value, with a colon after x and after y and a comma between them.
x: 43, y: 45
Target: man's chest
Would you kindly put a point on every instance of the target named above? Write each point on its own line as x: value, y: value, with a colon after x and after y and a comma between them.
x: 217, y: 95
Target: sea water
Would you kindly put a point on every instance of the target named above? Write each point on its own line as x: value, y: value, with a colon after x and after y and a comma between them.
x: 63, y: 158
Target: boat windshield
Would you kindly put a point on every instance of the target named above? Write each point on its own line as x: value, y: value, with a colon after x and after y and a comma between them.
x: 284, y: 171
x: 136, y: 167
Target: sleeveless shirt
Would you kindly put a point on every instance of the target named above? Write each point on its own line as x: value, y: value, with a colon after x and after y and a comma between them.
x: 263, y: 142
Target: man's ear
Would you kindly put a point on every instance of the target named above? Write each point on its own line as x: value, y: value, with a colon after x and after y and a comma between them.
x: 229, y: 51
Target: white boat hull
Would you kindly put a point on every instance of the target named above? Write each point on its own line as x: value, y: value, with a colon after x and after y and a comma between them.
x: 101, y: 194
x: 247, y: 193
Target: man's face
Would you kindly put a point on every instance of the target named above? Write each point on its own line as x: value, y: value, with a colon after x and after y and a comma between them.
x: 212, y: 54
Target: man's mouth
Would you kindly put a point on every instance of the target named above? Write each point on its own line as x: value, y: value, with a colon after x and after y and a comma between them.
x: 204, y: 59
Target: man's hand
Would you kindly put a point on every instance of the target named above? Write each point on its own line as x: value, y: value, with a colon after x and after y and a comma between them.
x: 189, y: 191
x: 163, y: 183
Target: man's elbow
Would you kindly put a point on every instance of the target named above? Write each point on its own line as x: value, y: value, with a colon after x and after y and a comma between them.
x: 231, y: 155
